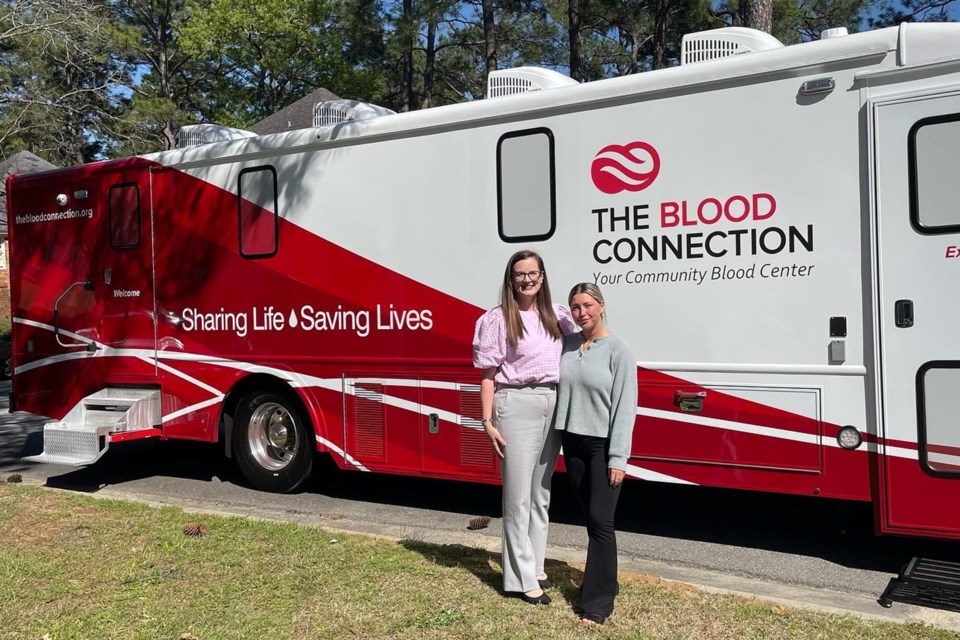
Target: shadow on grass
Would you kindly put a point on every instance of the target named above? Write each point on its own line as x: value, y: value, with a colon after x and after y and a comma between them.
x: 835, y: 530
x: 485, y: 565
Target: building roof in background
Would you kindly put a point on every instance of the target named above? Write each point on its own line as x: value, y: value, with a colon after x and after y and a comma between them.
x: 298, y: 115
x: 21, y: 162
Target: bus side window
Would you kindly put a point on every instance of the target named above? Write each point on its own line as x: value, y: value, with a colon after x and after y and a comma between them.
x: 124, y: 206
x: 934, y: 156
x: 257, y: 212
x: 526, y: 186
x: 939, y: 439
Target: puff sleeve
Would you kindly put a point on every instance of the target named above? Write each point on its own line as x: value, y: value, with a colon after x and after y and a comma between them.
x: 489, y: 340
x: 565, y: 319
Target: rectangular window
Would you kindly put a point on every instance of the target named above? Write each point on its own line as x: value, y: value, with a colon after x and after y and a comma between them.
x: 938, y: 384
x: 124, y: 207
x: 257, y: 206
x: 526, y: 186
x: 933, y: 147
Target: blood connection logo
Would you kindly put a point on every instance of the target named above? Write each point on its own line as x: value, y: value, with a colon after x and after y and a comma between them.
x: 630, y: 167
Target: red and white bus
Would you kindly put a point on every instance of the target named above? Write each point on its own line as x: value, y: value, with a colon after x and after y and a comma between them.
x: 776, y: 234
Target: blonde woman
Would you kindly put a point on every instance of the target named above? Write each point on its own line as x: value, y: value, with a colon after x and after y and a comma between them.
x: 517, y: 346
x: 596, y: 409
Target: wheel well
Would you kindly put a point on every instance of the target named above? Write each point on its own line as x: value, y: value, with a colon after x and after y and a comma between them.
x: 258, y: 382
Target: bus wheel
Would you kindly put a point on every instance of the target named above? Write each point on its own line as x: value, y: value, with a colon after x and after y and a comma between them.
x: 272, y: 443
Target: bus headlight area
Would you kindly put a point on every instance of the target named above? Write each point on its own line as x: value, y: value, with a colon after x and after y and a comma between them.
x: 849, y: 437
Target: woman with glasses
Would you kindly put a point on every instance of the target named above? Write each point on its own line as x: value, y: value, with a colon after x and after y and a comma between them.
x: 596, y: 409
x: 517, y: 346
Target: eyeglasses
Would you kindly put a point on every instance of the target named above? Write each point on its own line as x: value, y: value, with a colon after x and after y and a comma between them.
x: 532, y: 275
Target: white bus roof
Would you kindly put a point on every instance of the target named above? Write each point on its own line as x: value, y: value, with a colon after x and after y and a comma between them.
x: 914, y: 44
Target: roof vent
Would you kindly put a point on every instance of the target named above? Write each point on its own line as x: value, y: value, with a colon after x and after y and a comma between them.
x: 725, y: 42
x: 508, y: 82
x: 193, y: 134
x: 336, y: 111
x: 836, y: 32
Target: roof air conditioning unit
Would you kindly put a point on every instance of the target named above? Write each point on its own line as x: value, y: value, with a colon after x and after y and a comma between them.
x: 725, y: 42
x: 336, y: 111
x: 508, y: 82
x: 193, y: 134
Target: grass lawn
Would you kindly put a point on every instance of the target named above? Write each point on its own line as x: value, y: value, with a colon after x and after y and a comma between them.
x: 73, y: 567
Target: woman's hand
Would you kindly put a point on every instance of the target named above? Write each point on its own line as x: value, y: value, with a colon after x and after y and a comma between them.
x: 499, y: 444
x: 616, y: 477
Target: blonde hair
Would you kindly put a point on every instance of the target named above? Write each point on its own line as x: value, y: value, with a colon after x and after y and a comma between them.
x: 511, y: 310
x: 588, y: 288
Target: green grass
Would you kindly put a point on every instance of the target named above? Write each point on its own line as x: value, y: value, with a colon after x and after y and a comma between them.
x: 6, y: 327
x: 73, y: 567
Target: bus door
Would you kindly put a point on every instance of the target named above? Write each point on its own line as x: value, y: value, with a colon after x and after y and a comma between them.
x: 125, y: 279
x: 917, y: 172
x: 54, y: 241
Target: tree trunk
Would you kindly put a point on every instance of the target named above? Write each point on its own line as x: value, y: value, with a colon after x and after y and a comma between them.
x: 163, y: 74
x: 661, y: 13
x: 758, y: 14
x: 489, y: 38
x: 77, y: 142
x: 169, y: 137
x: 575, y: 19
x: 428, y: 67
x: 406, y: 72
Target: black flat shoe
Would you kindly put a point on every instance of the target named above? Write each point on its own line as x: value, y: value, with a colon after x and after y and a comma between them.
x: 545, y: 583
x: 588, y: 619
x: 540, y: 599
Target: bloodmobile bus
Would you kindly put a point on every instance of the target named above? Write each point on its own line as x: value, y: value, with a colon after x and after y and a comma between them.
x: 775, y: 228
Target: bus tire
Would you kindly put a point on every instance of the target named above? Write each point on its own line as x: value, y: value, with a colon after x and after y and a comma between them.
x: 272, y: 442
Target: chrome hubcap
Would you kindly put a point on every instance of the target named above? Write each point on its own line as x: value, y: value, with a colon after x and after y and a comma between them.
x: 272, y: 436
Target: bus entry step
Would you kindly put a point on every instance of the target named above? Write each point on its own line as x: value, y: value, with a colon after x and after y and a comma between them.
x: 927, y: 583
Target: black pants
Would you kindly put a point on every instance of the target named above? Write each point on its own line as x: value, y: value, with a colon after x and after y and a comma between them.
x: 586, y: 460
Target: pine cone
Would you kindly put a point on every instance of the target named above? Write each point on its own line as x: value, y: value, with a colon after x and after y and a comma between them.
x: 480, y: 522
x: 16, y: 477
x: 194, y: 530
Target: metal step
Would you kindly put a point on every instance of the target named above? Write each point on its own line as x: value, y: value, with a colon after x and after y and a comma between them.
x: 105, y: 418
x: 927, y: 583
x: 85, y: 433
x: 120, y: 394
x: 117, y: 399
x: 71, y: 444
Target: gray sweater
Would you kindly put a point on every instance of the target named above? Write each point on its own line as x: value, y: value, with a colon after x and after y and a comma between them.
x: 597, y: 395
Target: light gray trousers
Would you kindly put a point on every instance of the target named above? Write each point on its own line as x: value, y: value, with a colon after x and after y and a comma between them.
x: 525, y: 420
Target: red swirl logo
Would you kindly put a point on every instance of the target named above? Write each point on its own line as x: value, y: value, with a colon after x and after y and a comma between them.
x: 630, y: 167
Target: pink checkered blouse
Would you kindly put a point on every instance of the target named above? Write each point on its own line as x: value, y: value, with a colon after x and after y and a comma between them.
x: 536, y: 359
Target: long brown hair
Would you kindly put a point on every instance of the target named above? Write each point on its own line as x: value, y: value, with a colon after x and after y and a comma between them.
x: 510, y: 309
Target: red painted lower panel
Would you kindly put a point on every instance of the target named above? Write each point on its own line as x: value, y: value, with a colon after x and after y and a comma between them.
x: 846, y: 476
x: 917, y: 502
